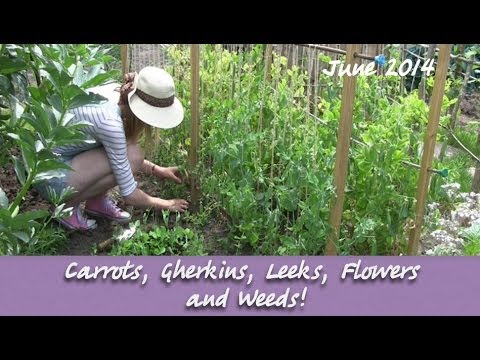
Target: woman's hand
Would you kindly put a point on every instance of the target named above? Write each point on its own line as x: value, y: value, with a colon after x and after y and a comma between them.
x: 177, y: 205
x: 171, y: 173
x: 139, y: 199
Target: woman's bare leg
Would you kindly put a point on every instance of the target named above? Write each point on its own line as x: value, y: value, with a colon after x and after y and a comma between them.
x: 93, y: 176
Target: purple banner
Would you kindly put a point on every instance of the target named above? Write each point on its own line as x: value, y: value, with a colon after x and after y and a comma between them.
x: 239, y: 286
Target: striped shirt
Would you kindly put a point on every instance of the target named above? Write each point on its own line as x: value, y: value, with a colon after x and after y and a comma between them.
x: 106, y: 130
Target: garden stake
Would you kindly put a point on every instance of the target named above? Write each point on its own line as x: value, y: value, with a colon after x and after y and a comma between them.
x: 429, y: 146
x: 343, y: 147
x: 195, y: 134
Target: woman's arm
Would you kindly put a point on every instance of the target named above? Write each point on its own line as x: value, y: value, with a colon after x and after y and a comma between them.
x: 171, y: 173
x: 148, y: 167
x: 142, y: 200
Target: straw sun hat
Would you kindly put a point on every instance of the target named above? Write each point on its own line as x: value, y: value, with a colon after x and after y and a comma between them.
x: 153, y: 99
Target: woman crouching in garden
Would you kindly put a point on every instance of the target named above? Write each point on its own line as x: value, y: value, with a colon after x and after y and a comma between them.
x: 113, y: 155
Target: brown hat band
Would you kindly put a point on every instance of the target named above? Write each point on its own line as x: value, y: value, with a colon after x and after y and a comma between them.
x: 153, y: 101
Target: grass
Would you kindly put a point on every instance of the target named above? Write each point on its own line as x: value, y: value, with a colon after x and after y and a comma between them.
x: 50, y: 241
x: 467, y: 137
x: 458, y: 172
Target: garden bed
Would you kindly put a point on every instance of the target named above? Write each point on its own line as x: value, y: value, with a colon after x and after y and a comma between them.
x: 266, y: 158
x: 78, y: 243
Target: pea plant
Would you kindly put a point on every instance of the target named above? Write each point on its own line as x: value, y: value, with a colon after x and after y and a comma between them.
x: 267, y: 162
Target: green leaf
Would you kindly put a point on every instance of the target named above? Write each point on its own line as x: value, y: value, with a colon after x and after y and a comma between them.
x: 47, y: 175
x: 40, y: 124
x: 51, y: 164
x: 19, y: 170
x: 107, y: 58
x: 472, y: 231
x: 94, y: 71
x: 55, y: 101
x: 38, y: 94
x: 71, y: 91
x: 58, y: 211
x: 28, y: 154
x: 21, y: 84
x: 26, y: 137
x: 39, y: 146
x: 99, y: 79
x: 11, y: 65
x: 57, y: 76
x: 13, y: 136
x: 84, y: 99
x: 5, y: 85
x: 471, y: 53
x: 3, y: 199
x: 62, y: 134
x: 5, y: 216
x: 22, y: 236
x: 31, y: 215
x: 17, y: 110
x: 78, y: 75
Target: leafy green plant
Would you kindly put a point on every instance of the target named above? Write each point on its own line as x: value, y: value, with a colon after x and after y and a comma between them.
x: 50, y: 241
x: 161, y: 240
x: 39, y: 122
x: 471, y: 236
x: 267, y: 153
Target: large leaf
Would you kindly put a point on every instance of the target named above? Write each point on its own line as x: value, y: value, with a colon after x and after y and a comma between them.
x: 78, y: 75
x: 19, y: 170
x: 71, y: 91
x: 17, y: 110
x: 22, y: 236
x: 51, y: 164
x: 10, y: 65
x: 40, y: 124
x: 28, y: 154
x: 31, y: 215
x: 47, y: 175
x: 13, y: 136
x: 55, y: 101
x: 39, y: 146
x: 472, y: 232
x: 46, y: 154
x: 99, y: 79
x: 107, y: 58
x: 93, y: 71
x: 3, y: 199
x: 84, y: 99
x: 21, y: 85
x: 67, y: 117
x: 5, y: 85
x: 57, y: 76
x: 37, y: 94
x: 62, y: 134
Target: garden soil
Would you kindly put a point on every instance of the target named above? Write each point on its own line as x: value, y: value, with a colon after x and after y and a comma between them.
x: 86, y: 243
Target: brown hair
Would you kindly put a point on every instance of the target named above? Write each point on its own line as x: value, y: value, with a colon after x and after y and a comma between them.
x: 133, y: 126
